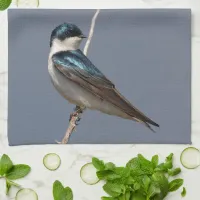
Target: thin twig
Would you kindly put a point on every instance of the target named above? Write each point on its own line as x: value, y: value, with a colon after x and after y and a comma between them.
x: 74, y: 118
x: 72, y: 125
x: 85, y: 51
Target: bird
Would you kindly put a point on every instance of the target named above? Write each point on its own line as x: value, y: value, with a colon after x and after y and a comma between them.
x: 81, y: 83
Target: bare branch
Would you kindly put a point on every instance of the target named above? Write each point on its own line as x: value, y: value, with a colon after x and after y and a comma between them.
x: 77, y: 114
x: 85, y: 51
x: 72, y: 124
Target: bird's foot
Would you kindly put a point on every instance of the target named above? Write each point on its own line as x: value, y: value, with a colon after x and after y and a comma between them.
x: 77, y: 112
x: 79, y: 109
x: 74, y: 114
x: 77, y: 120
x: 74, y: 119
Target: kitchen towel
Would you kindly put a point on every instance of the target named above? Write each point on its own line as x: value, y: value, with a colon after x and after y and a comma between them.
x: 146, y: 53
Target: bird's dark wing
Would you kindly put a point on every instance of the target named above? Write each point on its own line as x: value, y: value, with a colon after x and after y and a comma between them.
x: 78, y: 68
x: 76, y: 62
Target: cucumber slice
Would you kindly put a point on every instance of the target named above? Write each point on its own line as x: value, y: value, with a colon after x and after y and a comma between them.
x: 52, y: 161
x: 26, y: 194
x: 190, y: 158
x: 28, y: 3
x: 88, y: 174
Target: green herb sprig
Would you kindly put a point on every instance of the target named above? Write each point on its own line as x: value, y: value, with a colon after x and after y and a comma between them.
x: 140, y: 179
x: 11, y: 172
x: 60, y: 192
x: 4, y: 4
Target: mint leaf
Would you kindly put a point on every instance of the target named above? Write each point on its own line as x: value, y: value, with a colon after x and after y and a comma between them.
x: 61, y: 193
x: 133, y: 163
x: 175, y: 184
x: 168, y: 165
x: 58, y: 191
x: 145, y: 165
x: 109, y: 166
x: 157, y: 197
x: 143, y: 160
x: 161, y: 168
x: 117, y: 173
x: 18, y: 171
x: 136, y: 186
x: 129, y: 181
x: 5, y: 164
x: 125, y: 196
x: 135, y: 167
x: 183, y: 193
x: 69, y: 194
x: 107, y: 175
x: 122, y: 171
x: 153, y: 190
x: 108, y: 198
x: 146, y: 182
x: 170, y: 157
x: 174, y: 172
x: 154, y: 161
x: 119, y: 181
x: 162, y: 182
x: 168, y: 161
x: 138, y: 196
x: 114, y: 189
x: 98, y: 164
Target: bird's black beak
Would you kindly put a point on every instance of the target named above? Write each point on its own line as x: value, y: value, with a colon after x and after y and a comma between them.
x: 83, y: 36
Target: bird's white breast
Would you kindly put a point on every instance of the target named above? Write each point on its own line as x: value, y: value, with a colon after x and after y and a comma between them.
x: 70, y: 90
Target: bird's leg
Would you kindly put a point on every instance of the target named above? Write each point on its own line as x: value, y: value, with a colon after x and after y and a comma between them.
x: 74, y: 119
x: 77, y: 111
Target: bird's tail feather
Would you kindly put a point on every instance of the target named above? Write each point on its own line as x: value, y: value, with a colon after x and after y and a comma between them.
x: 146, y: 123
x: 148, y: 126
x: 151, y: 122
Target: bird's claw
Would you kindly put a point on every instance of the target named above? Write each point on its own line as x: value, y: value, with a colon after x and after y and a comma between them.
x: 75, y: 114
x: 77, y: 121
x: 72, y: 115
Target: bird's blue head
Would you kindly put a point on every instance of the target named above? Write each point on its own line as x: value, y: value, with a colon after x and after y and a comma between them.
x: 66, y: 30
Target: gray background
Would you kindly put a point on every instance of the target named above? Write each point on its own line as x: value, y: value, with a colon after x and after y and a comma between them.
x: 146, y: 53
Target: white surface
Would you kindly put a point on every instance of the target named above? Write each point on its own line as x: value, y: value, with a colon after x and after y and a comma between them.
x: 75, y: 156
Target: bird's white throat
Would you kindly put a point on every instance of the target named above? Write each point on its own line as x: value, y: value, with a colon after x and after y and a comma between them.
x: 72, y: 43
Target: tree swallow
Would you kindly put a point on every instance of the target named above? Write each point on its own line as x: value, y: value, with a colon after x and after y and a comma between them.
x: 81, y: 83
